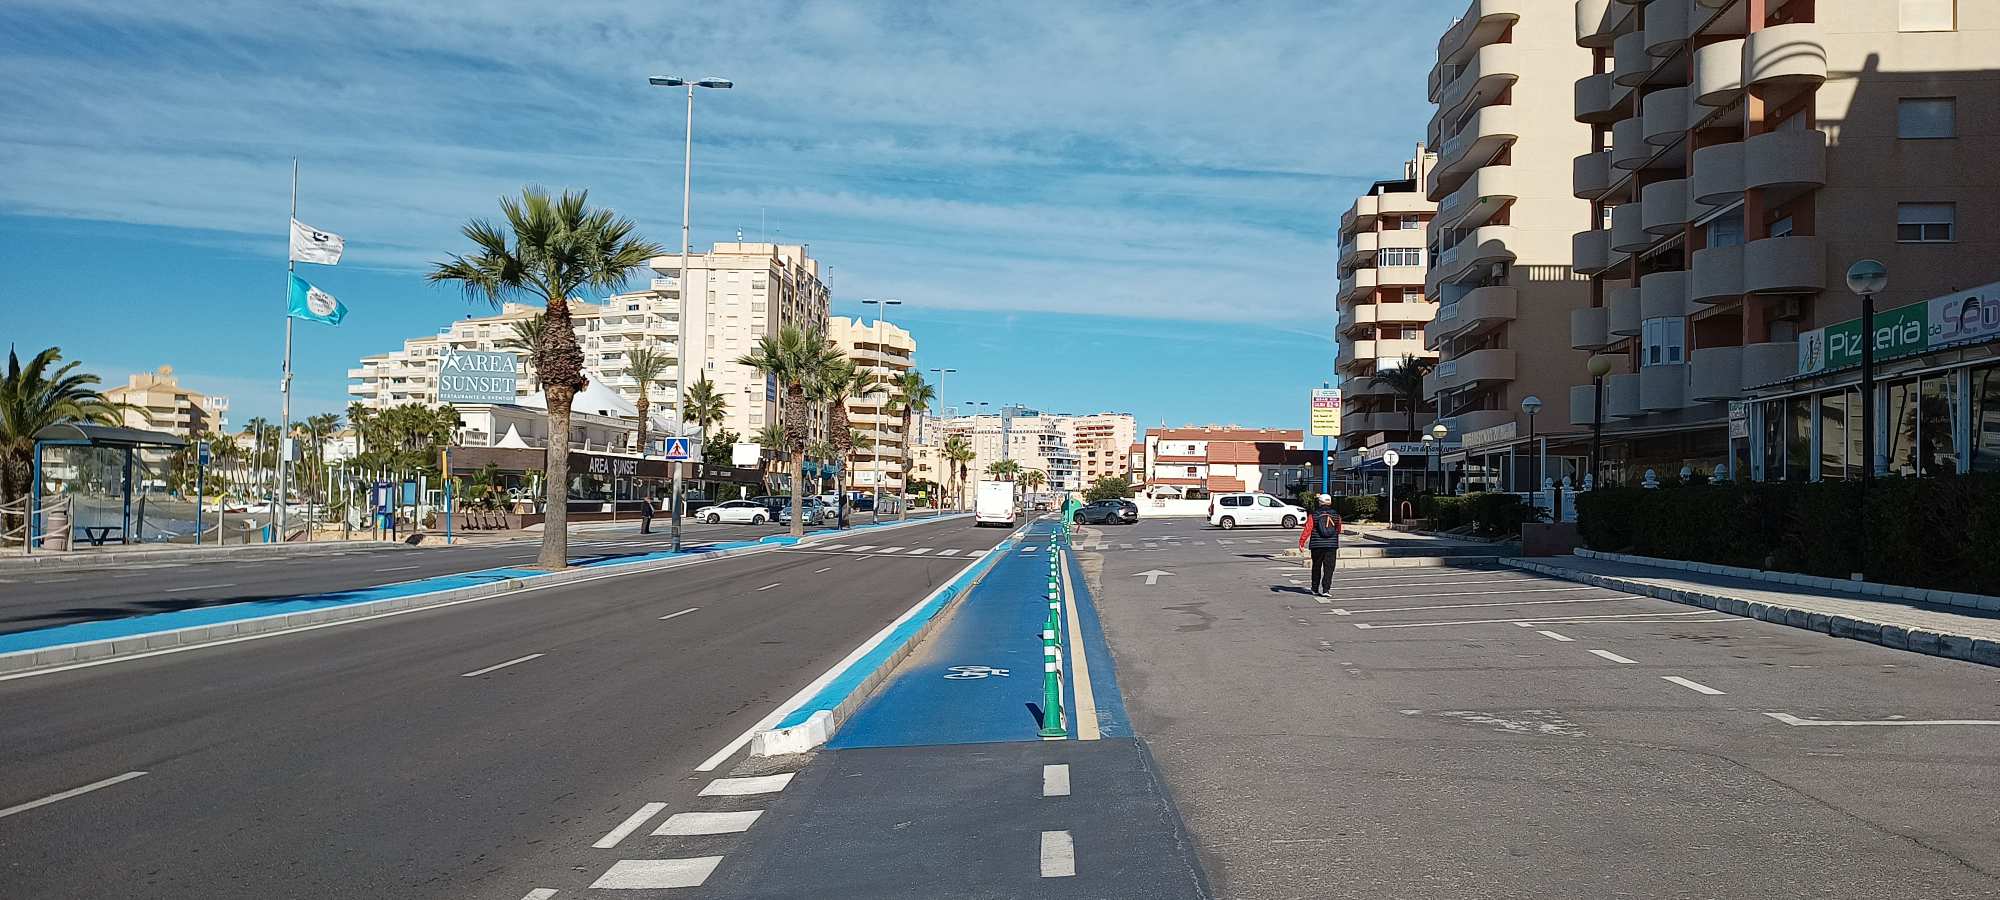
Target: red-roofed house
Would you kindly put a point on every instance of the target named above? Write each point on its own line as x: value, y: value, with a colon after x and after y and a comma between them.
x: 1193, y: 462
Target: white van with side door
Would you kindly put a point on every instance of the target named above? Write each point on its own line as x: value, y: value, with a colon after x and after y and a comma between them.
x: 1237, y: 510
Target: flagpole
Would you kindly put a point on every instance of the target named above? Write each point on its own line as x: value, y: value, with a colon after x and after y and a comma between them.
x: 285, y: 406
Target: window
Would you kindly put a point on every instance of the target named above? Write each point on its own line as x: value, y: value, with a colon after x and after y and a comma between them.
x: 1902, y: 427
x: 1927, y: 15
x: 1926, y: 223
x: 1266, y: 501
x: 1726, y: 231
x: 1986, y: 420
x: 1400, y: 256
x: 1926, y: 117
x: 1410, y: 224
x: 1664, y: 341
x: 1782, y: 227
x: 1833, y: 435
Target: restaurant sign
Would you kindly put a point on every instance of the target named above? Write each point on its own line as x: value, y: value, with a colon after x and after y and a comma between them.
x: 1963, y: 318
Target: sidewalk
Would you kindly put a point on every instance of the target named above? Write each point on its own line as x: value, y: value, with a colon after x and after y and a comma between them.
x: 1936, y: 629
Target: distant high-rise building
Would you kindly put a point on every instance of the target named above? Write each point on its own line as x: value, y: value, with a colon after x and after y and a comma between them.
x: 156, y: 401
x: 885, y: 351
x: 1383, y: 307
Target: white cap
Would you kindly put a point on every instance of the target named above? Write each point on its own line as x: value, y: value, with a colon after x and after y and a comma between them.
x: 1325, y: 499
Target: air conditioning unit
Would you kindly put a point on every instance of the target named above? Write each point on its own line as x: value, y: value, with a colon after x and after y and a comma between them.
x: 1791, y: 307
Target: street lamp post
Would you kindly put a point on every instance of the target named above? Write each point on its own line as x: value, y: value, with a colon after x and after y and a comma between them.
x: 681, y: 327
x: 1430, y: 443
x: 875, y: 452
x: 1600, y: 366
x: 1867, y: 278
x: 1532, y: 404
x: 937, y: 399
x: 1438, y: 431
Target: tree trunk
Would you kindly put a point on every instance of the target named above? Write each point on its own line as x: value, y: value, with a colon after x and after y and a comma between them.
x: 798, y: 492
x: 902, y: 493
x: 644, y: 403
x: 561, y: 363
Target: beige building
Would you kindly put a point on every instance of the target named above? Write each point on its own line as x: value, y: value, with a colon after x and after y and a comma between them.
x: 1051, y: 443
x: 1501, y: 241
x: 1744, y: 154
x: 887, y: 352
x: 1102, y: 443
x: 1193, y: 461
x: 156, y: 401
x: 1384, y: 308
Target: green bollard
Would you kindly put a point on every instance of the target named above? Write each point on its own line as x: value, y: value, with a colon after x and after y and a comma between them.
x: 1052, y: 717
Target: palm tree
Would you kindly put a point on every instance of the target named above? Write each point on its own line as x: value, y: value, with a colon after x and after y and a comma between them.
x: 527, y: 336
x: 1406, y: 381
x: 647, y: 366
x: 911, y: 395
x: 1003, y: 469
x: 1033, y: 479
x: 553, y: 247
x: 794, y: 358
x: 840, y: 381
x: 35, y: 397
x: 358, y: 415
x: 256, y: 428
x: 706, y: 407
x: 772, y: 438
x: 957, y: 453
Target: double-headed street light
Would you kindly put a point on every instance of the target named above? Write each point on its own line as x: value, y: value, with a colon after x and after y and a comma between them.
x: 1867, y: 278
x: 681, y: 326
x: 875, y: 453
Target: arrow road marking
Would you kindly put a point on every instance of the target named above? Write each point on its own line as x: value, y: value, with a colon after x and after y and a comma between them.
x: 1153, y: 575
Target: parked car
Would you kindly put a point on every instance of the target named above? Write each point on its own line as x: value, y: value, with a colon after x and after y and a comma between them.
x: 773, y: 502
x: 1107, y: 512
x: 814, y: 511
x: 736, y: 512
x: 1232, y: 510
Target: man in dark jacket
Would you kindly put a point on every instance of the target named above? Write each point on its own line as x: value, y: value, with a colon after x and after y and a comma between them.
x: 1321, y: 539
x: 645, y: 515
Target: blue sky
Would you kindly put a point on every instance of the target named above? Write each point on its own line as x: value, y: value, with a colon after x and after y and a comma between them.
x: 1083, y: 206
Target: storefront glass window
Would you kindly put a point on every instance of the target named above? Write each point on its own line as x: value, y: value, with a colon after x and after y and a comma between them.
x: 1833, y: 436
x: 1902, y: 422
x: 1798, y: 438
x: 1774, y: 440
x: 1986, y: 420
x: 1938, y: 430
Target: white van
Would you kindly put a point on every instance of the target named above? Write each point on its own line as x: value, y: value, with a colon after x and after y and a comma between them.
x: 995, y: 504
x: 1232, y: 510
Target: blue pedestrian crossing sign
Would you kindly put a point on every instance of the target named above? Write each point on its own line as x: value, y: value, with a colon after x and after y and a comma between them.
x: 677, y: 449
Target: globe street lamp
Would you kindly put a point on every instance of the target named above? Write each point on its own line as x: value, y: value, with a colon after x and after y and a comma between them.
x: 1867, y: 278
x: 1438, y: 431
x: 1600, y: 366
x: 1428, y: 442
x: 1532, y: 404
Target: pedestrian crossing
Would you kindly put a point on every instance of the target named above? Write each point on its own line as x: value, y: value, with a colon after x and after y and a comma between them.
x: 905, y: 552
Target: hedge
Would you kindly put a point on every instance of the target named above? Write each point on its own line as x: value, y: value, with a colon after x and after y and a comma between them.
x: 1490, y: 513
x: 1936, y: 533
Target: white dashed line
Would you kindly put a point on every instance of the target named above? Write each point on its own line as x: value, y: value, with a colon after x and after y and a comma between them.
x: 1615, y: 657
x: 1704, y: 612
x: 539, y: 894
x: 1058, y: 855
x: 681, y: 613
x: 1030, y: 548
x: 1586, y: 587
x: 180, y: 590
x: 1694, y: 686
x: 1055, y: 781
x: 890, y: 550
x: 502, y: 665
x: 1555, y: 637
x: 1790, y: 719
x: 631, y: 824
x: 744, y: 787
x: 72, y: 792
x: 690, y: 823
x: 862, y: 549
x: 949, y: 551
x: 397, y: 569
x: 918, y: 552
x: 770, y: 586
x: 656, y: 874
x: 827, y: 569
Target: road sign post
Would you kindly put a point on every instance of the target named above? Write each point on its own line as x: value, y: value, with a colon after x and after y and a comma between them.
x: 679, y: 453
x: 1390, y: 459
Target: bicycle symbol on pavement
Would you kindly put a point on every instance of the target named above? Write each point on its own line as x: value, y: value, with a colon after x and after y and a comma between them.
x: 967, y: 672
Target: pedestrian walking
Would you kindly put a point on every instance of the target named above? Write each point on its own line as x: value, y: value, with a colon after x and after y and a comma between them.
x: 1321, y: 540
x: 645, y: 515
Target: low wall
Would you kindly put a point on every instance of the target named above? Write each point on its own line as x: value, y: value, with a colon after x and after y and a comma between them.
x: 1164, y: 508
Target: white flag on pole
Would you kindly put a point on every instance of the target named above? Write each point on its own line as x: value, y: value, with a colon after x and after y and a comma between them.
x: 311, y: 245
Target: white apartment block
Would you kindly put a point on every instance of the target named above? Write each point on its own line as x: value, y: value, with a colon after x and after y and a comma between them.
x: 737, y: 294
x: 1383, y: 307
x: 885, y: 351
x: 1046, y: 442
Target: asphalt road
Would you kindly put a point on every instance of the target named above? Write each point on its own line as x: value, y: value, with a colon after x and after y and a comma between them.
x: 43, y: 598
x: 1480, y: 733
x: 472, y: 751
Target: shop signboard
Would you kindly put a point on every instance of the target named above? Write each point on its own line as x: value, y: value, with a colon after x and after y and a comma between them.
x: 1326, y: 412
x: 607, y: 466
x: 1962, y: 318
x: 476, y: 376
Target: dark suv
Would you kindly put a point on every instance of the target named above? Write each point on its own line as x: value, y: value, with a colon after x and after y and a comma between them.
x: 1108, y: 512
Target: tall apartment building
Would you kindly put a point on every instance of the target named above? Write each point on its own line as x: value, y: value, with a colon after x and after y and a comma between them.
x: 737, y: 294
x: 885, y: 351
x: 1383, y: 306
x: 156, y: 401
x: 605, y: 331
x: 1501, y: 241
x: 1744, y: 154
x: 1046, y: 442
x: 1102, y: 443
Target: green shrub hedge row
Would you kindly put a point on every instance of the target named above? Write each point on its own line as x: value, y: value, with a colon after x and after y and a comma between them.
x: 1939, y: 533
x: 1490, y: 514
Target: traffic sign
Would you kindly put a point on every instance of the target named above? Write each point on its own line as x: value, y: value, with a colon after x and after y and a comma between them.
x: 1391, y: 458
x: 677, y: 450
x: 201, y: 453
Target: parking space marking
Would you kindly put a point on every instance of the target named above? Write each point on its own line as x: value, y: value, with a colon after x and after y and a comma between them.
x: 1695, y: 686
x: 1555, y: 590
x: 1482, y: 605
x: 1790, y: 719
x: 1536, y: 619
x: 1614, y: 657
x: 631, y: 824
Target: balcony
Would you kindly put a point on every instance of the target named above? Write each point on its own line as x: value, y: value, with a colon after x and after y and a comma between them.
x: 1784, y: 265
x: 1665, y: 120
x: 1586, y: 328
x: 1718, y: 174
x: 1718, y: 72
x: 1402, y: 313
x: 1598, y: 21
x: 1400, y: 276
x: 1630, y: 62
x: 1663, y: 295
x: 1482, y: 246
x: 1663, y: 387
x: 1666, y: 26
x: 1786, y: 56
x: 1360, y: 216
x: 1769, y: 362
x: 1590, y: 251
x: 1493, y: 69
x: 1590, y: 175
x: 1717, y: 275
x: 1490, y: 365
x: 1629, y: 149
x: 1357, y: 284
x: 1785, y: 163
x: 1628, y: 234
x: 1621, y: 395
x: 1582, y: 404
x: 1397, y: 348
x: 1482, y: 195
x: 1596, y: 102
x: 1477, y: 420
x: 1368, y: 423
x: 1483, y: 22
x: 1485, y: 134
x: 1478, y: 311
x: 1403, y: 203
x: 1664, y: 205
x: 1352, y: 352
x: 1363, y: 245
x: 1715, y: 373
x: 1623, y: 320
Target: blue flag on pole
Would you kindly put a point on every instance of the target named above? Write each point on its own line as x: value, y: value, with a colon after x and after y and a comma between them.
x: 314, y: 305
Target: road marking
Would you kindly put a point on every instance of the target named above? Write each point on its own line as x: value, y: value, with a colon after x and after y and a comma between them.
x: 1055, y: 781
x: 918, y: 552
x: 1586, y: 587
x: 689, y: 823
x: 1087, y: 727
x: 1789, y: 719
x: 744, y: 787
x: 1536, y: 619
x: 1614, y: 657
x: 1058, y: 855
x: 1694, y: 686
x: 641, y: 874
x: 398, y: 569
x: 1555, y: 637
x: 198, y: 587
x: 631, y: 824
x: 1419, y: 575
x: 770, y: 586
x: 502, y: 665
x: 61, y: 580
x: 72, y: 792
x: 890, y: 550
x: 827, y: 569
x: 681, y: 613
x: 1483, y: 605
x: 948, y: 551
x: 539, y: 894
x: 862, y: 549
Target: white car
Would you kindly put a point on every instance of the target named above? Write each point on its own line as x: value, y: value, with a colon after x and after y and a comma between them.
x: 736, y: 512
x: 1233, y: 510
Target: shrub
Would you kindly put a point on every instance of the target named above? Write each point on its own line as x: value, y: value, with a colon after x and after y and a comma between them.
x: 1358, y: 507
x: 1109, y: 487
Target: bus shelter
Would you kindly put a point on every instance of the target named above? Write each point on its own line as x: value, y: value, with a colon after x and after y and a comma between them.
x: 99, y: 468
